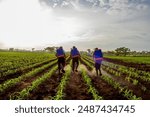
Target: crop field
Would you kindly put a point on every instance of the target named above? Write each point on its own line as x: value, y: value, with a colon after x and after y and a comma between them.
x: 136, y: 59
x: 139, y: 62
x: 34, y: 76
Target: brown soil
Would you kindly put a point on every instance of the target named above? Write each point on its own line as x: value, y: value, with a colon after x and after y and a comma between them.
x: 104, y: 89
x: 46, y: 90
x: 141, y: 66
x: 21, y: 85
x: 76, y: 89
x: 135, y: 88
x: 141, y: 81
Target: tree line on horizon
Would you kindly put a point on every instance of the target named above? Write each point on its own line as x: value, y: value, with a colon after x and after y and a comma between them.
x: 121, y: 51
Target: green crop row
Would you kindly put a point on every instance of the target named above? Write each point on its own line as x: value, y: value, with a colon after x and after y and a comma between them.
x: 23, y: 69
x: 127, y: 78
x: 92, y: 90
x: 26, y: 91
x: 130, y: 72
x: 126, y: 92
x: 129, y: 59
x: 127, y: 70
x: 61, y: 87
x: 14, y: 60
x: 87, y: 63
x: 12, y: 82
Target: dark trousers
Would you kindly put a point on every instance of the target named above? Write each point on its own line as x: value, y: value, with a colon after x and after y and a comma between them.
x: 75, y: 60
x: 98, y: 68
x: 61, y: 63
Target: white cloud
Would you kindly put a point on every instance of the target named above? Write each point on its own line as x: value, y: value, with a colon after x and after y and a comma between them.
x: 26, y: 23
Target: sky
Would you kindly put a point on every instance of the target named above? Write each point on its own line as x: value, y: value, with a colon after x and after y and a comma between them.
x: 106, y: 24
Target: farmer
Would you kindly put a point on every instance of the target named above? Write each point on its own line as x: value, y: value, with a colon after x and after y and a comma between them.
x: 75, y: 55
x: 60, y: 54
x: 98, y: 57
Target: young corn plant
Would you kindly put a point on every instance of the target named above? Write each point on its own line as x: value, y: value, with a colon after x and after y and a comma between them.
x: 24, y: 68
x: 12, y: 82
x: 128, y: 79
x: 130, y: 96
x: 88, y: 64
x: 92, y: 90
x: 144, y: 88
x: 128, y: 71
x: 126, y: 92
x: 135, y: 82
x: 60, y: 92
x: 26, y: 92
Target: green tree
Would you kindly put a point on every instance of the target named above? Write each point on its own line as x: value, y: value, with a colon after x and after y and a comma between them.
x: 122, y: 51
x: 11, y: 49
x: 50, y: 49
x: 89, y: 50
x: 33, y: 49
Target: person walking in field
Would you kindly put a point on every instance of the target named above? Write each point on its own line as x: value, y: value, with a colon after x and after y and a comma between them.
x: 60, y: 54
x: 98, y: 57
x: 75, y: 55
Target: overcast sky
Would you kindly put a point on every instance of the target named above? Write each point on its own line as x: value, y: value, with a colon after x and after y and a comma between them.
x: 107, y: 24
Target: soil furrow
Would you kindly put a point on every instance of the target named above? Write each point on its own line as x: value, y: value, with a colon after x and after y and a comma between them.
x: 12, y: 92
x: 104, y: 89
x: 46, y: 90
x: 76, y: 89
x: 137, y: 90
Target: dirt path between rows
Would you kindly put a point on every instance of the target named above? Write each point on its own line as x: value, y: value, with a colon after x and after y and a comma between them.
x: 46, y: 90
x: 76, y: 89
